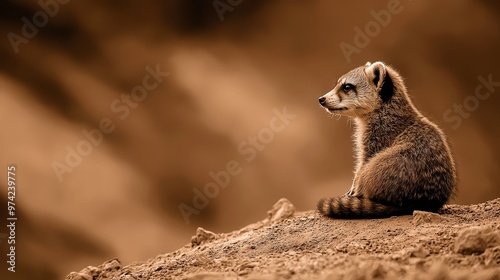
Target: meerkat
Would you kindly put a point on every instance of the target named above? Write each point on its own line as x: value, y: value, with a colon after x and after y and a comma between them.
x: 403, y: 160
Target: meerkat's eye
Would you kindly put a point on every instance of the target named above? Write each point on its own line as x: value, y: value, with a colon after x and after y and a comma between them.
x: 347, y: 87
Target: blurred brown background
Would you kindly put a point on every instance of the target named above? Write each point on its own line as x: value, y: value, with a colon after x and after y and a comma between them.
x: 225, y: 78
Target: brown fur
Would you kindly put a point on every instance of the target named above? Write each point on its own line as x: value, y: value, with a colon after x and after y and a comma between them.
x: 403, y: 160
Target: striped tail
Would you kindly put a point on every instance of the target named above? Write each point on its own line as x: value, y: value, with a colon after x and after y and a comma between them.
x: 351, y: 207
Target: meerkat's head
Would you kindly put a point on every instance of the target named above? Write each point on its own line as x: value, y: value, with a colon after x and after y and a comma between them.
x: 359, y: 92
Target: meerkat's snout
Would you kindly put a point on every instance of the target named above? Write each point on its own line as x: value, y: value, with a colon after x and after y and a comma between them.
x: 328, y: 100
x: 322, y: 101
x: 331, y: 102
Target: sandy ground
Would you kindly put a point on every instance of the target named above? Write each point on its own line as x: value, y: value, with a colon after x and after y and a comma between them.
x: 461, y: 242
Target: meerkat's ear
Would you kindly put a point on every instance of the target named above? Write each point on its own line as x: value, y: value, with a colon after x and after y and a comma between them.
x: 376, y: 73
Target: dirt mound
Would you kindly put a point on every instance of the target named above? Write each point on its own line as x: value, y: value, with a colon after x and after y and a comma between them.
x: 461, y: 242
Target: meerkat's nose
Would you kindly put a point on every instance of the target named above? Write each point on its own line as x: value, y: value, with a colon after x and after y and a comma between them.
x: 322, y: 100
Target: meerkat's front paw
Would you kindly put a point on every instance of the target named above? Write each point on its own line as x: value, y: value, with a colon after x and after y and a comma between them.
x: 349, y: 193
